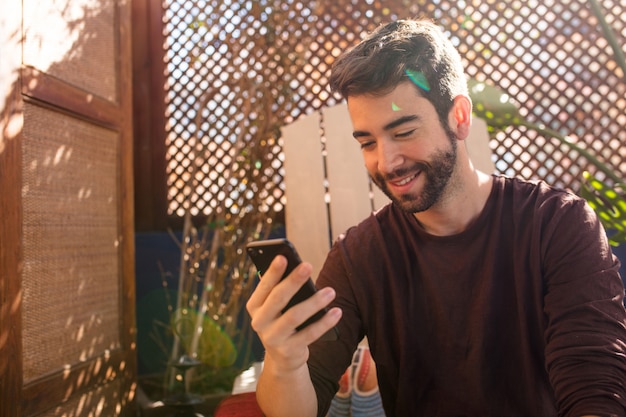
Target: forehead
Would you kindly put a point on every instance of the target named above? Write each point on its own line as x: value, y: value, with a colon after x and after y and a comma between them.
x: 403, y: 100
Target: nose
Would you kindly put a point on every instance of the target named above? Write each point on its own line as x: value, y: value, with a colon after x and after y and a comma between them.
x: 389, y: 156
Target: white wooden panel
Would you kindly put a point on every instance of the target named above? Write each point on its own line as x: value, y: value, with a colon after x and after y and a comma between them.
x: 306, y: 215
x: 348, y: 182
x: 380, y: 199
x: 478, y: 146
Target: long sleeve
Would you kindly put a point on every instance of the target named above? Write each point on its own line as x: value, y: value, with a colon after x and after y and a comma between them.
x: 586, y: 329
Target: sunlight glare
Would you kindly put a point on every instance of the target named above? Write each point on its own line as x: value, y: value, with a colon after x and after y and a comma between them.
x: 10, y: 29
x: 50, y: 18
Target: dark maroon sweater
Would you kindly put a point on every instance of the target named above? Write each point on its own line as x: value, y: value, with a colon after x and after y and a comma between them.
x: 521, y: 314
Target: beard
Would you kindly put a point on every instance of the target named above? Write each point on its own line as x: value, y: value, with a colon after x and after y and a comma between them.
x: 437, y: 174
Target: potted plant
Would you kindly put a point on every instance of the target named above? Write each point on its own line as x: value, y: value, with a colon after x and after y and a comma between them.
x: 207, y: 334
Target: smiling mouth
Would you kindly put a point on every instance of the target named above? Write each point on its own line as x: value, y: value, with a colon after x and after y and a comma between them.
x: 405, y: 180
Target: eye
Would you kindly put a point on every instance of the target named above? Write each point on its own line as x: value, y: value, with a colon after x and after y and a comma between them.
x: 405, y: 134
x: 367, y: 144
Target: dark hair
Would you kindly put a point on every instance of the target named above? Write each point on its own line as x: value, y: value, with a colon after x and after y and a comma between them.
x: 400, y: 51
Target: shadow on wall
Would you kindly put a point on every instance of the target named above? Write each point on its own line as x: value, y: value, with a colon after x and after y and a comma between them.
x: 81, y: 335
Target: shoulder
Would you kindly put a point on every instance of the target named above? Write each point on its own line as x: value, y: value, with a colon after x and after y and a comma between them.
x: 537, y: 188
x: 559, y: 218
x: 539, y: 197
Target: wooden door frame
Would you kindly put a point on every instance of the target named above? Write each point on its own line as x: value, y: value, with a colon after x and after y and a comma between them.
x: 30, y: 85
x: 11, y: 121
x: 149, y: 109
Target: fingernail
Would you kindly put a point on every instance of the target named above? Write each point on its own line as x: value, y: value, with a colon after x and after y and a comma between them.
x: 305, y: 270
x: 328, y: 293
x: 280, y: 260
x: 335, y: 312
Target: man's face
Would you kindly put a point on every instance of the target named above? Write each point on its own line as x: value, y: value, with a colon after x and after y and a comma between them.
x: 407, y: 152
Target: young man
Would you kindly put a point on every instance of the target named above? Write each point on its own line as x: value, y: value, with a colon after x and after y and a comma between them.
x: 479, y: 295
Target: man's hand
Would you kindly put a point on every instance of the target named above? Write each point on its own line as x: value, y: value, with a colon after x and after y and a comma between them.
x: 277, y: 331
x: 284, y: 387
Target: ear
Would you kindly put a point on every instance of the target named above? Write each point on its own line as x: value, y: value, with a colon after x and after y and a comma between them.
x: 460, y: 116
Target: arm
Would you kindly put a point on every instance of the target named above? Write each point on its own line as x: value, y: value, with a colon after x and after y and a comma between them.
x: 285, y: 387
x: 586, y: 333
x: 285, y: 393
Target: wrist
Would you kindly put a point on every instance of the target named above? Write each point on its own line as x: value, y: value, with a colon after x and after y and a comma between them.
x: 285, y: 368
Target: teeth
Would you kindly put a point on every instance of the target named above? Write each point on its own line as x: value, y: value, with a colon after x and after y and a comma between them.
x: 406, y: 180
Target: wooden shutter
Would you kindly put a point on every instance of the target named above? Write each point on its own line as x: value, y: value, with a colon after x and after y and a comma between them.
x: 66, y: 229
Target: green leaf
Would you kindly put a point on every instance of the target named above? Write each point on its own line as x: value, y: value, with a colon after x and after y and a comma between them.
x: 499, y: 111
x: 493, y: 105
x: 609, y: 202
x: 215, y: 348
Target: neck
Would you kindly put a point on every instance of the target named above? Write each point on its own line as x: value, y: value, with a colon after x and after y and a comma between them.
x: 464, y: 200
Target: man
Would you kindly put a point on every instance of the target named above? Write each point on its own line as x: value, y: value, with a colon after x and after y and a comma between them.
x: 479, y: 295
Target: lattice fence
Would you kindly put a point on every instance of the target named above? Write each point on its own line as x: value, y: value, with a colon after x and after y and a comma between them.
x: 238, y: 70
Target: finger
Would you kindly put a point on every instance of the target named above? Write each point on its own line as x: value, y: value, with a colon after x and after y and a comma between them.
x: 298, y: 314
x: 316, y: 330
x: 278, y: 297
x: 285, y: 290
x: 282, y: 335
x: 293, y: 350
x: 267, y: 318
x: 267, y: 302
x: 268, y: 281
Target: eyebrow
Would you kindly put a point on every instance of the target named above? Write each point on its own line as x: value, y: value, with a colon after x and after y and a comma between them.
x: 393, y: 124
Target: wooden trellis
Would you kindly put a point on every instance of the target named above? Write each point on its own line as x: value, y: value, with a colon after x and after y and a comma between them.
x: 551, y: 57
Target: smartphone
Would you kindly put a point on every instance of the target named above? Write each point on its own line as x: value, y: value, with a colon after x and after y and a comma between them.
x: 262, y: 252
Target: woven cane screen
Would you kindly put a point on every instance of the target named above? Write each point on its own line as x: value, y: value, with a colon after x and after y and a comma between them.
x: 71, y: 262
x: 74, y: 41
x: 551, y: 57
x: 104, y: 401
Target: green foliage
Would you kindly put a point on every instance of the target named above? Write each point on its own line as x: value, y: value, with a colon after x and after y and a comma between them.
x: 493, y: 105
x: 610, y: 205
x: 215, y: 276
x: 499, y: 111
x: 215, y: 348
x: 609, y: 201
